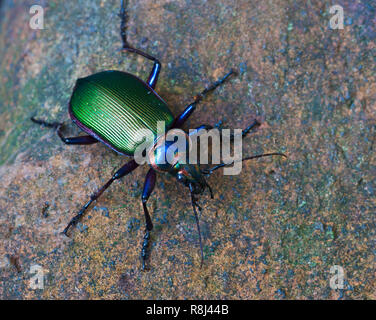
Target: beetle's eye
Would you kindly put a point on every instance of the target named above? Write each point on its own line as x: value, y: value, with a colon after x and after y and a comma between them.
x: 180, y: 177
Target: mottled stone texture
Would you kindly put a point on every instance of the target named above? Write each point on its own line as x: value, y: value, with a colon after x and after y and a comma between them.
x: 271, y: 233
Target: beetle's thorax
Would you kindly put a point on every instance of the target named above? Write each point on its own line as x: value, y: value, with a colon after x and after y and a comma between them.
x: 171, y: 157
x: 163, y: 156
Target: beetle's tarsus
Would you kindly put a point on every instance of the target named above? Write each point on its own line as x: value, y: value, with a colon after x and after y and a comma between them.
x: 123, y: 25
x: 253, y: 125
x: 54, y: 125
x: 213, y: 86
x: 65, y: 232
x: 71, y: 223
x: 144, y: 250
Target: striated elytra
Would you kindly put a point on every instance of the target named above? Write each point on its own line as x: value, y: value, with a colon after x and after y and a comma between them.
x: 113, y: 106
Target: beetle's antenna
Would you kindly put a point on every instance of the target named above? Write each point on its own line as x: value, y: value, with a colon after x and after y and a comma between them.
x: 210, y: 190
x: 210, y: 171
x: 194, y: 204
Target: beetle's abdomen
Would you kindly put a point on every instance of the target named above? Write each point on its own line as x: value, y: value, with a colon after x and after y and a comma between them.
x: 114, y: 106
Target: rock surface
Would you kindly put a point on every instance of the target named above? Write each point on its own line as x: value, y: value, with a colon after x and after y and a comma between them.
x: 273, y: 232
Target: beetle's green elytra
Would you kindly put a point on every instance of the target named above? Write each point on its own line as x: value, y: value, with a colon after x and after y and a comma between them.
x: 115, y: 105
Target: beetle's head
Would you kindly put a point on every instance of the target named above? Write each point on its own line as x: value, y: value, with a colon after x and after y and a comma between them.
x: 190, y: 176
x: 163, y: 157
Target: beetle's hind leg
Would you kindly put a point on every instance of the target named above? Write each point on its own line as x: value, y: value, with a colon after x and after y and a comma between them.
x: 153, y: 76
x: 81, y: 140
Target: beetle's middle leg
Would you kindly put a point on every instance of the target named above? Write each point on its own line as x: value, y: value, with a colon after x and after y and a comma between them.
x: 124, y: 170
x: 255, y: 123
x: 153, y: 76
x: 148, y: 189
x: 81, y: 140
x: 179, y: 121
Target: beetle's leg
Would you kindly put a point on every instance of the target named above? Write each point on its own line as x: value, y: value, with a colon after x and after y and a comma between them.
x: 153, y: 76
x: 124, y: 170
x: 179, y: 121
x: 218, y: 125
x: 81, y: 140
x: 252, y: 126
x: 255, y: 123
x: 148, y: 188
x: 72, y: 140
x: 203, y: 127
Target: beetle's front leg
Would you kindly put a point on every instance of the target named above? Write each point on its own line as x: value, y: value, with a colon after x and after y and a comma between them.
x: 195, y: 131
x: 148, y: 189
x: 179, y: 120
x: 251, y: 127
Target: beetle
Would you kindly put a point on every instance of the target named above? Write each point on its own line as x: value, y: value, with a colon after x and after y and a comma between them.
x: 110, y: 106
